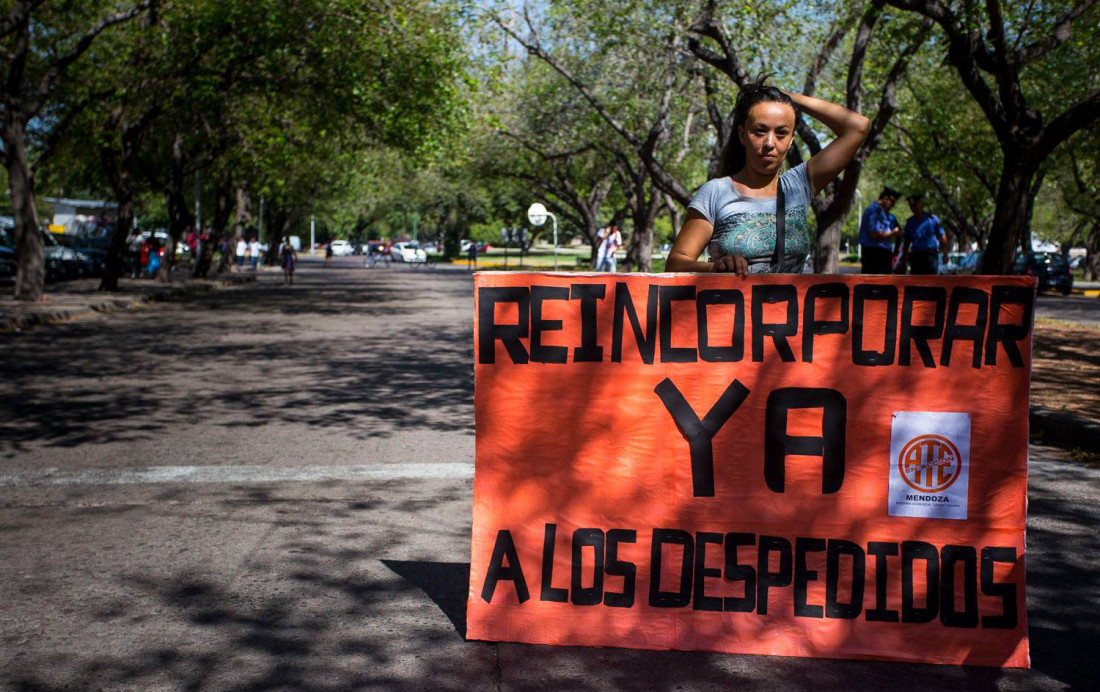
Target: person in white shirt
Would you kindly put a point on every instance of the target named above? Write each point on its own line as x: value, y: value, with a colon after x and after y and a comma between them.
x: 242, y: 247
x: 610, y: 242
x: 254, y: 250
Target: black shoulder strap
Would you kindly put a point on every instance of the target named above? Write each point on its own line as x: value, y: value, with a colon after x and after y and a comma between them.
x: 780, y: 226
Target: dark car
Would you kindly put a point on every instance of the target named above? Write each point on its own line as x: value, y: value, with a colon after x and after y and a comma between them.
x: 60, y: 262
x: 7, y: 263
x: 91, y: 253
x: 1050, y: 268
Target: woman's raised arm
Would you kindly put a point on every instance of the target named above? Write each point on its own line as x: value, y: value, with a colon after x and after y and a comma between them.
x: 850, y: 128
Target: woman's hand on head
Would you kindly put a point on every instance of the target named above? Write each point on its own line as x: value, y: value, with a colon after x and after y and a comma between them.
x: 731, y: 264
x: 850, y: 128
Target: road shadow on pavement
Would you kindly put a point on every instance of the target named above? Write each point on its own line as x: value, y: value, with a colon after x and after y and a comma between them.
x: 364, y: 355
x: 446, y: 583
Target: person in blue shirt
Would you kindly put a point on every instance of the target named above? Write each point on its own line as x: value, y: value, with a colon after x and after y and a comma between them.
x: 877, y: 231
x: 924, y: 239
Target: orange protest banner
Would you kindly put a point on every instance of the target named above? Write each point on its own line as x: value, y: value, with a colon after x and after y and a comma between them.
x: 827, y: 466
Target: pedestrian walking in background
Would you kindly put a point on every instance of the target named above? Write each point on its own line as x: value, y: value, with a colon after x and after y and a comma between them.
x: 376, y: 252
x: 610, y: 242
x: 254, y: 252
x: 134, y: 246
x: 286, y: 259
x: 924, y: 239
x: 471, y: 257
x: 328, y: 254
x: 242, y: 250
x: 877, y: 232
x: 150, y: 253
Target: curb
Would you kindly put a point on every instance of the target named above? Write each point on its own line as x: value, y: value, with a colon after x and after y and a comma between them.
x: 167, y: 292
x: 1063, y: 429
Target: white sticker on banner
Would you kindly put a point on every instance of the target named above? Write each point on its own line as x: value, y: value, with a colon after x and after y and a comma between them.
x: 929, y: 464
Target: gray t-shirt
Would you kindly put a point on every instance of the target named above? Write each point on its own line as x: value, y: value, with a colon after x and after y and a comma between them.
x: 746, y: 225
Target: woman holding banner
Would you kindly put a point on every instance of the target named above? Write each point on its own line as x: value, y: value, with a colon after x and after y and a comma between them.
x: 739, y: 216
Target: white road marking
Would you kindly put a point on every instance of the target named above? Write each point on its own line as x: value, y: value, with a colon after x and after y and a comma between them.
x: 240, y: 474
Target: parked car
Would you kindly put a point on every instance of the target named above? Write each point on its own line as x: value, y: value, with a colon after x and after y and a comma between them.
x: 162, y: 235
x: 63, y: 262
x: 1050, y: 268
x: 954, y: 261
x: 92, y: 254
x: 969, y: 264
x: 408, y: 252
x: 7, y: 263
x: 60, y: 262
x: 341, y: 248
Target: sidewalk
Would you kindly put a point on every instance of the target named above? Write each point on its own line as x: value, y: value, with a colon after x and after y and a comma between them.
x: 1065, y: 386
x: 67, y: 300
x: 1087, y: 288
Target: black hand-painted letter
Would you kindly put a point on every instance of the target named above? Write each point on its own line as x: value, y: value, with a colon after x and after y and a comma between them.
x: 700, y: 433
x: 830, y: 446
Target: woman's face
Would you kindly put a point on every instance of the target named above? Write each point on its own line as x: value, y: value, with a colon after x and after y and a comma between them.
x: 767, y: 134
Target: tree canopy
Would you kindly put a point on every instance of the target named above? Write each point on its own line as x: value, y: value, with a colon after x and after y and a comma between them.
x: 447, y: 118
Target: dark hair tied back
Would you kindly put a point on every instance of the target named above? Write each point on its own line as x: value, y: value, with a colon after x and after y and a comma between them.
x: 733, y: 152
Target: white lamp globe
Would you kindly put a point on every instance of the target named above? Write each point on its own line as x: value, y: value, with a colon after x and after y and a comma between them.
x: 536, y: 214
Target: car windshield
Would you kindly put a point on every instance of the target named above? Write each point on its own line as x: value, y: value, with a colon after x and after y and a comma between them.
x: 69, y: 241
x: 1053, y: 259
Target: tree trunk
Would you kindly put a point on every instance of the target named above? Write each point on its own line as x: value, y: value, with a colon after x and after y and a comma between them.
x: 179, y: 216
x: 123, y: 225
x: 830, y: 214
x: 30, y: 277
x: 639, y: 249
x: 118, y: 170
x: 222, y: 196
x: 675, y: 216
x: 241, y: 218
x: 827, y: 259
x: 284, y: 220
x: 1010, y: 218
x: 1092, y: 259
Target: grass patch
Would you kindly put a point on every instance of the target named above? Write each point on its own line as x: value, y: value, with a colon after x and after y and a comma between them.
x: 1065, y: 324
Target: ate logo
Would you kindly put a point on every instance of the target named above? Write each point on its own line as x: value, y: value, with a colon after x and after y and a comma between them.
x: 930, y: 463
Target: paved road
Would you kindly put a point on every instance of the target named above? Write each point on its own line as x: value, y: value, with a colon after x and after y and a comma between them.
x: 270, y: 487
x: 1077, y: 309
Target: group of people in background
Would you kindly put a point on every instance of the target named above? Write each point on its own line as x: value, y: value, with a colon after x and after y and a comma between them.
x: 887, y: 248
x: 610, y: 241
x: 145, y: 255
x: 248, y: 251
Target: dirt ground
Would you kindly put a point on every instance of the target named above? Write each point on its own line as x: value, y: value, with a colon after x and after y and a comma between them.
x: 1065, y: 370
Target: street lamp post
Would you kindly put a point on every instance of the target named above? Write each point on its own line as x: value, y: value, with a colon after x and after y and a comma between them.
x: 537, y: 214
x: 859, y: 224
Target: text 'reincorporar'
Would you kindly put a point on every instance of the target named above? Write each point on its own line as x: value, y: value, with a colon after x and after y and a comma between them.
x: 947, y: 316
